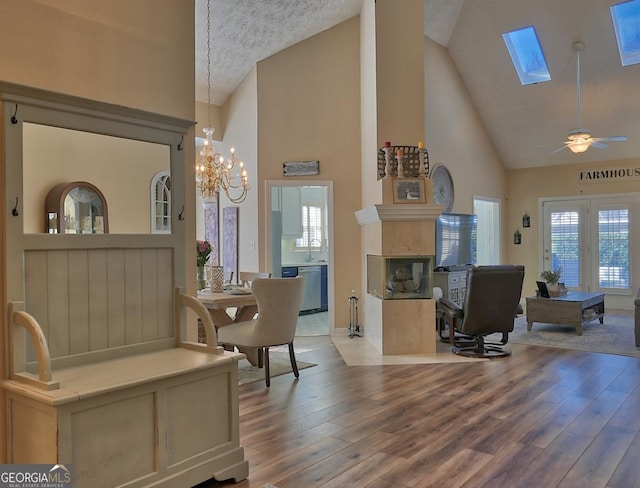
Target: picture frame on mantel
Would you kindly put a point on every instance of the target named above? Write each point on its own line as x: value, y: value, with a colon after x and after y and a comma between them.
x: 409, y: 190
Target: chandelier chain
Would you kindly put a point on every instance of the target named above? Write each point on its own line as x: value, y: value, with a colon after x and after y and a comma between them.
x: 209, y: 62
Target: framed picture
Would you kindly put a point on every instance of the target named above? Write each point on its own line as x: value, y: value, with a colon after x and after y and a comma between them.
x: 409, y: 190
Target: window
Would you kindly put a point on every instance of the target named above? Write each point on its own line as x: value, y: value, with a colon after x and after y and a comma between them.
x: 312, y: 233
x: 614, y: 243
x: 626, y: 21
x: 591, y: 238
x: 565, y: 246
x: 527, y: 56
x: 161, y: 203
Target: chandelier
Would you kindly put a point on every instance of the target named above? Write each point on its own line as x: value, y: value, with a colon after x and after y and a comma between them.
x: 213, y: 172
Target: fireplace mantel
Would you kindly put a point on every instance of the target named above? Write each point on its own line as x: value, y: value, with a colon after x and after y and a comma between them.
x: 398, y: 213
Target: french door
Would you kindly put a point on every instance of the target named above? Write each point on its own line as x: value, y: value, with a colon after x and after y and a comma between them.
x: 591, y: 239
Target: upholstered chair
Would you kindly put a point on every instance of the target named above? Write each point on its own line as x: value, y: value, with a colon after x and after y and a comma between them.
x: 279, y: 301
x: 490, y: 306
x: 245, y: 278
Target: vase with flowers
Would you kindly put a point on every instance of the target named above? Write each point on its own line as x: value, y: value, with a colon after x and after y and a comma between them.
x: 203, y: 250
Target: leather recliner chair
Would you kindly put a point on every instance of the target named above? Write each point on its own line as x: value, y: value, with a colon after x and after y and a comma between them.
x: 490, y: 306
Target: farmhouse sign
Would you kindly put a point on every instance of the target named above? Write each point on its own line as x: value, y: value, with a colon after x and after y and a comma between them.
x: 610, y: 175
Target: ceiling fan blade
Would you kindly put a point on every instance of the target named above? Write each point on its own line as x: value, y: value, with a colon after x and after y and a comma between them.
x: 598, y: 145
x: 559, y: 149
x: 610, y: 139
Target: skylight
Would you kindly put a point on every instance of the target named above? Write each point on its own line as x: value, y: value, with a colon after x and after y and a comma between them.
x: 626, y: 23
x: 527, y: 56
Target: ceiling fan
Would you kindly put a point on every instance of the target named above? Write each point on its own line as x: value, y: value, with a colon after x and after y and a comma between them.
x: 579, y: 140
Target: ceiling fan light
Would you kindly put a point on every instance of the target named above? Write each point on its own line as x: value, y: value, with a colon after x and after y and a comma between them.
x: 579, y: 147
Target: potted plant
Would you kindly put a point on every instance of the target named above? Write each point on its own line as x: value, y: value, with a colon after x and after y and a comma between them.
x: 552, y: 278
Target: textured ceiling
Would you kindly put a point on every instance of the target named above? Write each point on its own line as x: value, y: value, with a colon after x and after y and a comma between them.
x: 245, y: 31
x: 525, y: 123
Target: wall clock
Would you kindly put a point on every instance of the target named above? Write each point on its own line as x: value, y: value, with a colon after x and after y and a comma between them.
x: 442, y: 187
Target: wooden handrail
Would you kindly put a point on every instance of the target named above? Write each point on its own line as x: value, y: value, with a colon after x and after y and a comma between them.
x: 31, y: 325
x: 209, y: 329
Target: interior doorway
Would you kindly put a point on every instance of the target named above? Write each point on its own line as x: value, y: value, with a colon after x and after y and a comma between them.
x: 299, y: 242
x: 489, y: 230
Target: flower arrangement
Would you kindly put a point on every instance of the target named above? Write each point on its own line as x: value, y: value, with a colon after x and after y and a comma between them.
x: 203, y: 249
x: 552, y: 277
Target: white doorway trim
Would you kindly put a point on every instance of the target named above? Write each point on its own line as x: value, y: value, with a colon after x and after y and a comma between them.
x: 268, y: 257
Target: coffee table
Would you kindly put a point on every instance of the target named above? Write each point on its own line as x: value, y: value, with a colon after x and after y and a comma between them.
x: 576, y: 308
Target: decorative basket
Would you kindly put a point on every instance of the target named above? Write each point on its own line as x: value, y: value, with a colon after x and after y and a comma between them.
x: 411, y: 163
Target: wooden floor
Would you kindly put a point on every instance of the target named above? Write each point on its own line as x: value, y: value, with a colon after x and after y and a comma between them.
x: 543, y: 417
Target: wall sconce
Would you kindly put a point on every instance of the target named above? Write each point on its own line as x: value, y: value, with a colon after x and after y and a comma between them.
x: 526, y: 220
x: 517, y: 237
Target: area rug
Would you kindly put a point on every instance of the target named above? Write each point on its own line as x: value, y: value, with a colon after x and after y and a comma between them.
x: 279, y: 364
x: 615, y: 336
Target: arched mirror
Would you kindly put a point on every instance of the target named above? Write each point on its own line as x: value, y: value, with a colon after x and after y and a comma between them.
x: 76, y: 208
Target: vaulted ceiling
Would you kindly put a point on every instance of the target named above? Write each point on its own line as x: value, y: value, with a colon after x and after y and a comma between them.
x: 525, y: 123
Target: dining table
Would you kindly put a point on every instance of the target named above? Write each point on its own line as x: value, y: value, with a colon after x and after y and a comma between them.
x: 230, y: 307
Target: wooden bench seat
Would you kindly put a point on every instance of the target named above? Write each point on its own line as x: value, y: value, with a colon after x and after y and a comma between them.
x: 86, y: 381
x: 171, y: 405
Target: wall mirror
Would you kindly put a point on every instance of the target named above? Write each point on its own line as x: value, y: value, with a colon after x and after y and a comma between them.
x: 122, y: 169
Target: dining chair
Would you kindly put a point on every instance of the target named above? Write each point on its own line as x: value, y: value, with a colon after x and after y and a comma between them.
x: 279, y: 301
x: 247, y: 277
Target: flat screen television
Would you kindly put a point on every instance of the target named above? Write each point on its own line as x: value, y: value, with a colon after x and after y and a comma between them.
x: 456, y: 240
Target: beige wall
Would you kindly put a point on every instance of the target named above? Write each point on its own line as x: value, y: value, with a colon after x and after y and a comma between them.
x: 241, y: 111
x: 138, y: 54
x: 456, y: 136
x: 309, y: 109
x: 399, y: 72
x: 526, y: 186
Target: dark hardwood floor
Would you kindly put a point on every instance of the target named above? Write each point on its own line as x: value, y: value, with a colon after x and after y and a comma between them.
x: 542, y: 417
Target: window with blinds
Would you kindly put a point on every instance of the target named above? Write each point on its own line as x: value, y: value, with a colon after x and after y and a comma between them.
x: 565, y: 246
x: 312, y: 233
x: 613, y: 248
